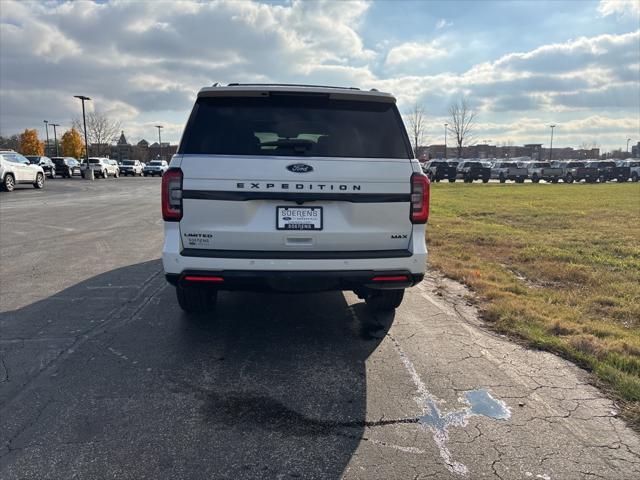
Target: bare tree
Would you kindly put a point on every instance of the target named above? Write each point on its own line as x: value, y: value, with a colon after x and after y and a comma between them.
x: 102, y: 131
x: 12, y: 142
x: 416, y: 121
x: 461, y: 122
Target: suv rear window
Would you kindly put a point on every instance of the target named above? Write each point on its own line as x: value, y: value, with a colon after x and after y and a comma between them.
x: 94, y: 160
x: 300, y: 125
x: 128, y: 162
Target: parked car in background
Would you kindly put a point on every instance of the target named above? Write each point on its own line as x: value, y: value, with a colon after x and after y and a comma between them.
x: 504, y: 171
x: 438, y: 170
x: 573, y: 171
x: 606, y: 169
x: 66, y: 167
x: 103, y: 167
x: 544, y: 171
x: 155, y: 167
x: 622, y: 172
x: 633, y: 166
x: 47, y: 165
x: 473, y: 170
x: 16, y: 169
x: 131, y: 167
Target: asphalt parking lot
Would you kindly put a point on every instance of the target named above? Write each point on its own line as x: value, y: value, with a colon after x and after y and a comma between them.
x: 102, y: 376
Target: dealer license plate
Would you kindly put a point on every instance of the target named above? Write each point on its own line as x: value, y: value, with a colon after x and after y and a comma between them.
x: 299, y: 218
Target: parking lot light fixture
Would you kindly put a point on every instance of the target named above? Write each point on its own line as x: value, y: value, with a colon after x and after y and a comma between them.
x: 88, y: 174
x: 159, y: 127
x: 46, y: 128
x: 55, y: 137
x: 445, y: 140
x: 551, y: 145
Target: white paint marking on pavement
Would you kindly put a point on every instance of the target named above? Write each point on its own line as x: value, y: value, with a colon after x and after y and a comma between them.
x: 427, y: 402
x: 480, y: 402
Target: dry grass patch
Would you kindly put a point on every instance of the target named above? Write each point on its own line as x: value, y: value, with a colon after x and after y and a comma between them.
x: 555, y: 265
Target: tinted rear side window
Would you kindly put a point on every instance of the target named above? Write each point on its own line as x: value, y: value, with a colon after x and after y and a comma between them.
x: 286, y: 125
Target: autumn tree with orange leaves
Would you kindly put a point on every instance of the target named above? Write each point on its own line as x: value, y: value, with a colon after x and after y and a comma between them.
x: 30, y: 144
x: 72, y: 144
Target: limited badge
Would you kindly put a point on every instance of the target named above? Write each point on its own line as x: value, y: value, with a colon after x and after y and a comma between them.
x: 194, y: 239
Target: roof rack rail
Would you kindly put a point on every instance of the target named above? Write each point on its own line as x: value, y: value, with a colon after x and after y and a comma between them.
x: 287, y: 85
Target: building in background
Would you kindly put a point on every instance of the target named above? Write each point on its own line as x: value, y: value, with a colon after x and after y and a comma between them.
x: 635, y: 150
x: 535, y: 151
x: 122, y: 150
x: 142, y: 151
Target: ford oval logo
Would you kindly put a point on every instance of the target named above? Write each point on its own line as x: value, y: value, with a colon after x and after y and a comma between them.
x: 300, y: 168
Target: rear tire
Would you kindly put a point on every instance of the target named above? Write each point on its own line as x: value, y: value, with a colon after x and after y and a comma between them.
x: 485, y: 180
x: 502, y: 179
x: 452, y: 180
x: 634, y: 177
x: 385, y: 300
x: 568, y: 178
x: 196, y: 299
x: 535, y: 178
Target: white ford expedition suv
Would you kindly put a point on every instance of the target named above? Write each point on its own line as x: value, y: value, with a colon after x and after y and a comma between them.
x: 294, y: 188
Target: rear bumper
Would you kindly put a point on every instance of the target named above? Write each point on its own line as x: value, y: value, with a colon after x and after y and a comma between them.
x: 293, y: 281
x: 177, y: 260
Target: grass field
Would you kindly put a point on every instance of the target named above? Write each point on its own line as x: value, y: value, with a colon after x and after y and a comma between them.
x: 555, y: 265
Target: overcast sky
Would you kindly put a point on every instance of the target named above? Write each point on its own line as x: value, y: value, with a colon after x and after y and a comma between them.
x: 523, y: 65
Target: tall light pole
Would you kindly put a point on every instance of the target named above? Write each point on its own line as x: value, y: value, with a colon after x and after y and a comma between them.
x: 55, y: 137
x: 628, y: 140
x: 551, y: 146
x: 46, y: 127
x: 445, y: 140
x: 88, y: 172
x: 159, y: 127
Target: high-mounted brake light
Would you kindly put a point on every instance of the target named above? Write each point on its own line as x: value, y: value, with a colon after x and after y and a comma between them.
x: 172, y: 195
x: 420, y: 189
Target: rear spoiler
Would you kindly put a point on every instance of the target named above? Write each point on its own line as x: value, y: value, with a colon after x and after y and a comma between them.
x: 267, y: 90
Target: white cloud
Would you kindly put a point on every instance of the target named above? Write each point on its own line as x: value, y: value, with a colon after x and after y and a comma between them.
x: 443, y: 23
x: 416, y: 52
x: 145, y: 63
x: 621, y: 8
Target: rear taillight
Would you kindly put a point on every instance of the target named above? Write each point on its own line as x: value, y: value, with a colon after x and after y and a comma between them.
x: 419, y: 198
x: 172, y: 195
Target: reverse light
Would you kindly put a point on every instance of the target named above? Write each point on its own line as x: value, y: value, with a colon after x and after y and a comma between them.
x: 172, y: 195
x: 420, y: 189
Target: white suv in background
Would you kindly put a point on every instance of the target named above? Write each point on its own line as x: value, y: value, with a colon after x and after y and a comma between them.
x: 15, y: 169
x: 155, y: 167
x: 103, y: 167
x: 294, y: 188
